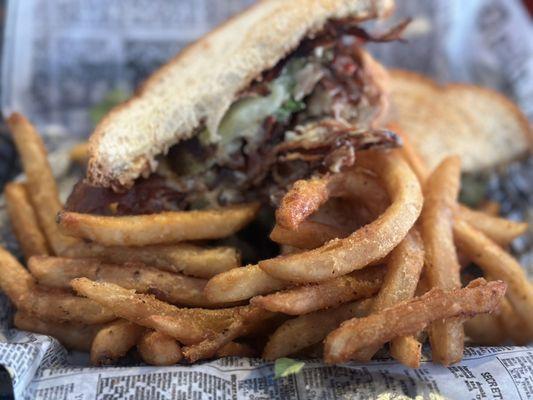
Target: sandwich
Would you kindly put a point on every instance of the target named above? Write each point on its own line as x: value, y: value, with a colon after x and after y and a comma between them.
x: 281, y: 92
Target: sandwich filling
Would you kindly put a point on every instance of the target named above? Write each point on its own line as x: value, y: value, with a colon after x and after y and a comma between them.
x: 307, y: 115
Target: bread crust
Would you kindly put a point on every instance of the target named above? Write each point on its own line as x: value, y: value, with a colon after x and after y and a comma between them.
x: 198, y: 85
x: 480, y: 125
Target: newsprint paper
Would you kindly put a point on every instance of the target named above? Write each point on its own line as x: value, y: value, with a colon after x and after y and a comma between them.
x: 62, y: 57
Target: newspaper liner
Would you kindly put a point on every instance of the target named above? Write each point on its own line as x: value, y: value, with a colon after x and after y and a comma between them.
x: 441, y: 36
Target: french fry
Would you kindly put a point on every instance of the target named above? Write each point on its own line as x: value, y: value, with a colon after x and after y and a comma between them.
x: 41, y: 185
x: 48, y: 305
x: 80, y: 153
x: 442, y: 266
x: 61, y: 306
x: 73, y: 336
x: 499, y: 264
x: 502, y: 231
x: 407, y: 350
x: 170, y: 287
x: 15, y: 281
x: 24, y: 221
x: 400, y: 282
x: 241, y: 284
x: 369, y: 243
x: 408, y: 318
x: 114, y: 340
x: 245, y: 321
x: 308, y: 234
x: 306, y: 196
x: 187, y: 325
x: 234, y: 349
x: 309, y: 298
x: 514, y: 326
x: 156, y: 348
x: 485, y: 330
x: 181, y: 257
x: 162, y: 228
x: 306, y: 330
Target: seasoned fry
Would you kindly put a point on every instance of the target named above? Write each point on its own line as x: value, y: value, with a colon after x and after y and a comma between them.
x: 442, y: 266
x: 513, y: 325
x: 234, y: 349
x: 181, y: 257
x: 166, y: 286
x: 304, y: 198
x: 24, y: 221
x: 162, y: 228
x: 49, y: 305
x: 245, y: 321
x: 308, y: 234
x: 499, y: 264
x: 241, y: 284
x: 501, y: 230
x: 485, y: 330
x: 156, y: 348
x: 80, y: 153
x: 309, y: 298
x: 400, y: 282
x: 187, y: 325
x: 15, y: 281
x: 114, y: 340
x: 41, y: 185
x: 369, y: 243
x: 61, y: 306
x: 73, y: 336
x: 410, y: 317
x: 407, y: 350
x: 299, y: 333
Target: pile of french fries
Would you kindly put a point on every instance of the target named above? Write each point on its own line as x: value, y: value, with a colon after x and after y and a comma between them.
x: 387, y: 273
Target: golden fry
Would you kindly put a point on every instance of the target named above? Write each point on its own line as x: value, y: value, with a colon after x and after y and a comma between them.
x: 502, y: 231
x: 513, y: 325
x: 71, y: 335
x: 499, y: 264
x: 114, y: 340
x: 400, y: 282
x: 442, y: 266
x: 408, y: 318
x: 166, y: 286
x: 181, y: 257
x: 485, y: 330
x: 241, y: 284
x: 234, y: 349
x: 156, y: 348
x: 24, y: 221
x: 246, y: 320
x: 309, y: 298
x: 306, y: 330
x: 162, y: 228
x: 41, y: 185
x: 308, y: 235
x: 80, y: 153
x: 407, y: 350
x: 187, y: 325
x: 369, y: 243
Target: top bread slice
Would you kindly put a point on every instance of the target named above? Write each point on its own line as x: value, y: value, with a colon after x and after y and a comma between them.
x: 480, y: 125
x: 198, y: 86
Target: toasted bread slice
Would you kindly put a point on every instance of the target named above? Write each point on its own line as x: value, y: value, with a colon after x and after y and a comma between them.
x: 198, y: 86
x: 480, y: 125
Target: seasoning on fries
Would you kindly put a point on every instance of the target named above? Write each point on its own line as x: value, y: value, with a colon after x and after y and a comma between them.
x: 24, y: 221
x: 162, y: 228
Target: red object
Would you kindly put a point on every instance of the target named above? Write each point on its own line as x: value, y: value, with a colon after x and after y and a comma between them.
x: 529, y: 5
